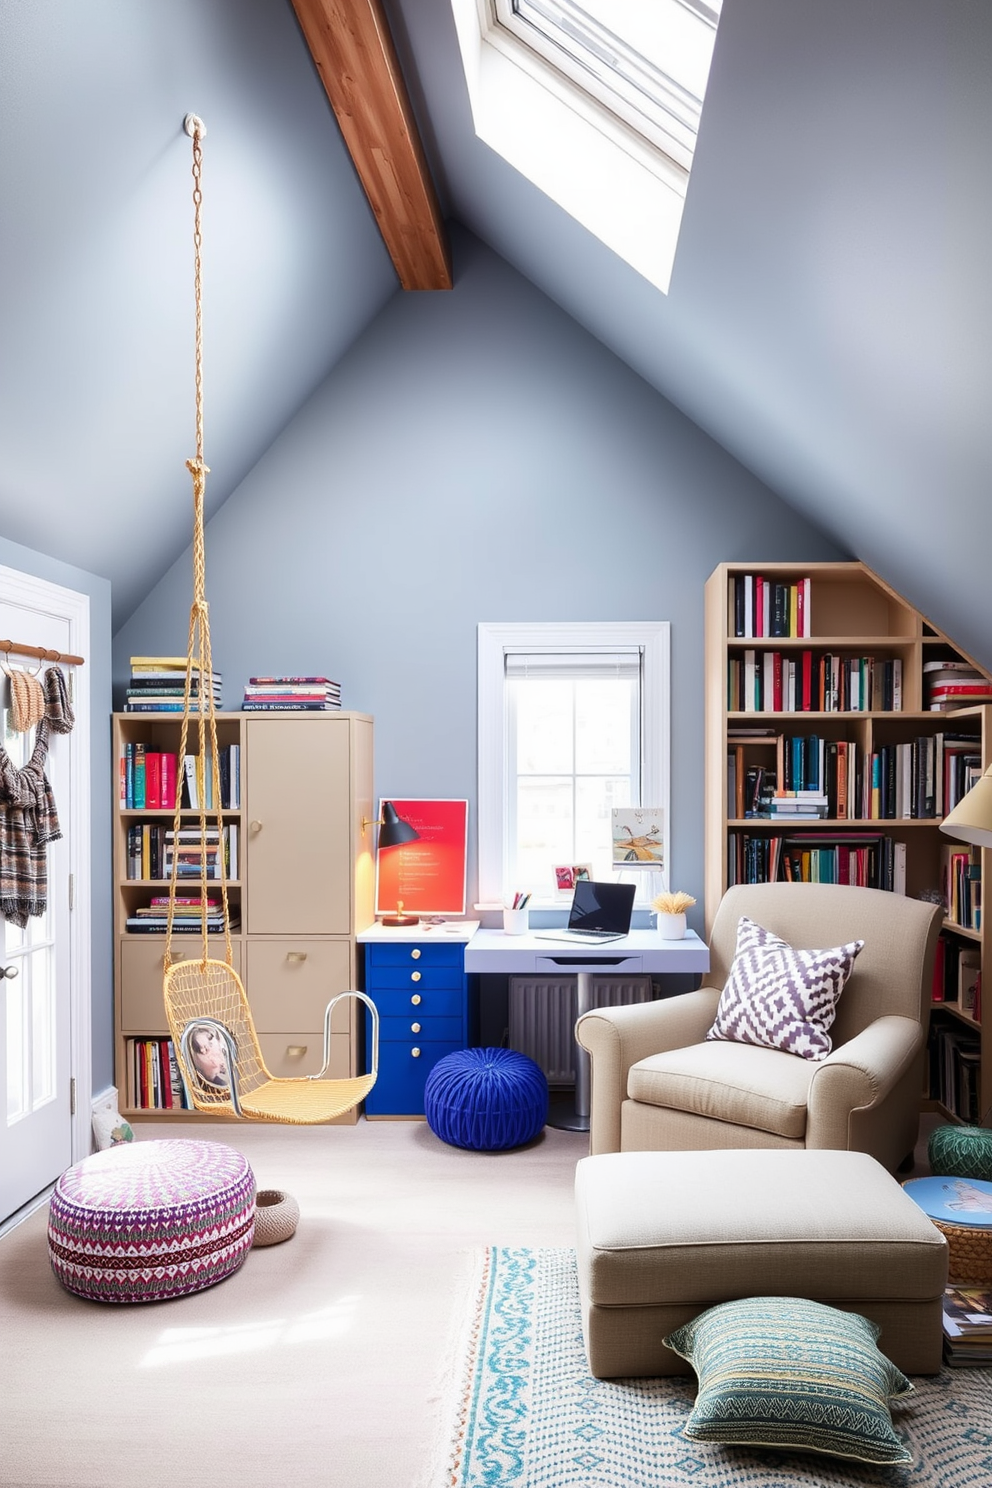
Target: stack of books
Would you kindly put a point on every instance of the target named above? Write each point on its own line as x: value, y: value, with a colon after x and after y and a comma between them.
x: 187, y: 919
x: 194, y: 852
x: 968, y: 1325
x: 290, y: 694
x: 954, y: 684
x: 800, y: 805
x: 157, y: 685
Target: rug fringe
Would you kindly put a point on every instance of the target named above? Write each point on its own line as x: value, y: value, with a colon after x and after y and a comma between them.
x: 454, y: 1388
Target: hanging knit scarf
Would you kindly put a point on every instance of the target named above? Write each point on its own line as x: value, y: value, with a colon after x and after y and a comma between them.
x: 28, y: 822
x: 58, y: 709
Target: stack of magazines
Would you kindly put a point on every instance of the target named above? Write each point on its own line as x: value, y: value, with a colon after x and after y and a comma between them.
x: 290, y: 694
x: 157, y: 685
x: 968, y: 1325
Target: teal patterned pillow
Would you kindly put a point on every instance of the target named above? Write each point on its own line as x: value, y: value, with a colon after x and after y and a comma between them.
x: 783, y: 1372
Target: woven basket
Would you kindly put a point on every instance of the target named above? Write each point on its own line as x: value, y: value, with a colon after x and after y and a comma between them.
x: 970, y: 1253
x: 276, y: 1216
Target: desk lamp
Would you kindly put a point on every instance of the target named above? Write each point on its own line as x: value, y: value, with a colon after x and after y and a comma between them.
x: 394, y: 832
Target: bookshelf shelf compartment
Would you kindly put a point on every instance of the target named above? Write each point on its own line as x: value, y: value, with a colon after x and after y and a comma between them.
x: 850, y: 612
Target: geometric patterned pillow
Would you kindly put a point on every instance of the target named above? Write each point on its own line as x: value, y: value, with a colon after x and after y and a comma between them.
x: 787, y: 1373
x: 780, y: 997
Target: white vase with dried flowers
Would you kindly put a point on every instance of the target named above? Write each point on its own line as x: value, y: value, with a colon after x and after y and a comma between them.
x: 671, y: 914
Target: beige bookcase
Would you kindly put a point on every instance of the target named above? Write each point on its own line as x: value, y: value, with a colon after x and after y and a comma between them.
x: 852, y: 613
x: 304, y: 887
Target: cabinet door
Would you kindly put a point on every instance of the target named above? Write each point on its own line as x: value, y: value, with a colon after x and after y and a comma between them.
x: 298, y: 826
x: 290, y: 983
x: 290, y: 1055
x: 142, y: 972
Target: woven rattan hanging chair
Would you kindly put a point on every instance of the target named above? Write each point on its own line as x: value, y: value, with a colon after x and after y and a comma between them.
x: 205, y: 1002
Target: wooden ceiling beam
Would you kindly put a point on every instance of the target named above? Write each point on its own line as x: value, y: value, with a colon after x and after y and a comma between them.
x: 353, y: 51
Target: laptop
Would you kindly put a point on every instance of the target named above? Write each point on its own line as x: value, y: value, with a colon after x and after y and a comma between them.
x: 600, y: 912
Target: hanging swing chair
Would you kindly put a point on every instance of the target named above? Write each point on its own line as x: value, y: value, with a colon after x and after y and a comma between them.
x: 209, y: 1016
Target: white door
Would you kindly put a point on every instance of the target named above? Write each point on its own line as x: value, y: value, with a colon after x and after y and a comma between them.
x: 36, y: 1126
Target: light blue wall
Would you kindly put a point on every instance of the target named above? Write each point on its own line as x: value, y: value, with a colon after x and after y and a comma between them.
x: 475, y: 456
x: 26, y: 560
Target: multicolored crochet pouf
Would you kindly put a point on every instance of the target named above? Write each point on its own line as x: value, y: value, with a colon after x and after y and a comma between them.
x: 151, y: 1220
x: 486, y: 1099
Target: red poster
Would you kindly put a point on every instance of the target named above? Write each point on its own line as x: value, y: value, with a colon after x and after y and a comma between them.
x: 427, y: 875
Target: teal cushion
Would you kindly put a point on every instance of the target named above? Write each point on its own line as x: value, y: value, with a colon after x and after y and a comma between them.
x: 783, y: 1372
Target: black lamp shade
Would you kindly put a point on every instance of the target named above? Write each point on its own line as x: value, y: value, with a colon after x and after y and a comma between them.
x: 393, y: 830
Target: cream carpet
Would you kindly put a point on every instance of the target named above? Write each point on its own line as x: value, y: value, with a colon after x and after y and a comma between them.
x: 324, y: 1361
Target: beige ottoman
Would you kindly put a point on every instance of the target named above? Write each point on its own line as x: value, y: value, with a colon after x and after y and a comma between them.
x: 662, y: 1236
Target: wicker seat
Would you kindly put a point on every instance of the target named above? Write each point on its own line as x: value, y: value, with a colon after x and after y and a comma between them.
x: 208, y: 994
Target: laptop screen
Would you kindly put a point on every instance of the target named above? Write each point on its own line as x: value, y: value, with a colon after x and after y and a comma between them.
x: 601, y: 906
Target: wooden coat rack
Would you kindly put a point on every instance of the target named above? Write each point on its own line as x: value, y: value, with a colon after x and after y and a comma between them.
x: 41, y: 652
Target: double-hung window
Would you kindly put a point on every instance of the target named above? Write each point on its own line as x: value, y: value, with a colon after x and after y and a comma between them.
x: 573, y: 722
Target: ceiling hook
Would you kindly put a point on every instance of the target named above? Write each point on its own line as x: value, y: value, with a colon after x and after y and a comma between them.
x: 194, y: 126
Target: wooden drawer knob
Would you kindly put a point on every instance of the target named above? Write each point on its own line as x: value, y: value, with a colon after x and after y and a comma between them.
x: 415, y: 999
x: 415, y: 953
x: 414, y: 1027
x: 415, y: 976
x: 415, y: 1052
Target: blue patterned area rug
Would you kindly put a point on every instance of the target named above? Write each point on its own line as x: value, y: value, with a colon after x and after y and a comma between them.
x: 530, y: 1415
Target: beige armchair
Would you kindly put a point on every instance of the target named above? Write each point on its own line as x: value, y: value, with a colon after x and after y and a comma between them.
x: 658, y: 1086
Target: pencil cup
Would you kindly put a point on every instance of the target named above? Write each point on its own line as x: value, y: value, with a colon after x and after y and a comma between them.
x: 515, y: 921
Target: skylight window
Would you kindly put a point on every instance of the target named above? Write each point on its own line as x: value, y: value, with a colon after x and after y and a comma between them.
x: 598, y: 105
x: 646, y: 61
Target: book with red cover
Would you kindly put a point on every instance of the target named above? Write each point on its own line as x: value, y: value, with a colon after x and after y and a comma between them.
x: 169, y: 774
x: 153, y: 779
x: 777, y: 681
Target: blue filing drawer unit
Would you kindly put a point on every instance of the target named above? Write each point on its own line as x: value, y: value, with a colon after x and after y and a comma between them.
x: 421, y: 991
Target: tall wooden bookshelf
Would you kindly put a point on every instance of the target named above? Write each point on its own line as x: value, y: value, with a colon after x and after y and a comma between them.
x: 299, y: 893
x: 852, y: 614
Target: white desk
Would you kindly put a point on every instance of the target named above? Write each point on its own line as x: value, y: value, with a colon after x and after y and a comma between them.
x: 642, y: 951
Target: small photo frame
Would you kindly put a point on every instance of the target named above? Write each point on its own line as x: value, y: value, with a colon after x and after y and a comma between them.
x: 568, y: 874
x: 208, y: 1055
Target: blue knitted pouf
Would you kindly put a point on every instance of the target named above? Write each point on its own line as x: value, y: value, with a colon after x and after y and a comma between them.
x: 486, y: 1099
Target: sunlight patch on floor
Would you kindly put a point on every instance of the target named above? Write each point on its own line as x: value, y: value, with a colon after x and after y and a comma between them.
x: 184, y: 1345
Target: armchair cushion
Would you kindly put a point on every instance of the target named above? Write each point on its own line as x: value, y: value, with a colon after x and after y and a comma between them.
x: 763, y: 1089
x: 780, y: 997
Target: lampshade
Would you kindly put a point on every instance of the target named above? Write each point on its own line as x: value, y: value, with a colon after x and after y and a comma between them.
x: 971, y: 819
x: 393, y: 830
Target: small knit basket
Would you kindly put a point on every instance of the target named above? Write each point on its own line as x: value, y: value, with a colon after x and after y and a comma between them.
x: 276, y: 1216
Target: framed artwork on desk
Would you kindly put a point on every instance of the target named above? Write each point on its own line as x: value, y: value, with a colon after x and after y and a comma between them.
x: 427, y: 876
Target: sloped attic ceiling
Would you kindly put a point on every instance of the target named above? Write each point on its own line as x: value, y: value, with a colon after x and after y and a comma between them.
x: 830, y: 316
x: 829, y: 313
x: 96, y: 289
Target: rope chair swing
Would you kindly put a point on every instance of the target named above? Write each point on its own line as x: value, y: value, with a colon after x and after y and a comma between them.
x: 205, y: 1001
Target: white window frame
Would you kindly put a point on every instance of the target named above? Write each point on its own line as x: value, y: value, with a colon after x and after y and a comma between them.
x: 653, y: 639
x: 662, y: 111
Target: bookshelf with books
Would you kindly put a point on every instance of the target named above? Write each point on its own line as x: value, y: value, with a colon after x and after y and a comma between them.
x: 841, y: 726
x: 295, y: 791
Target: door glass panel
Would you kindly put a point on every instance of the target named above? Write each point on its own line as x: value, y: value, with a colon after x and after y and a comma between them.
x: 17, y: 1084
